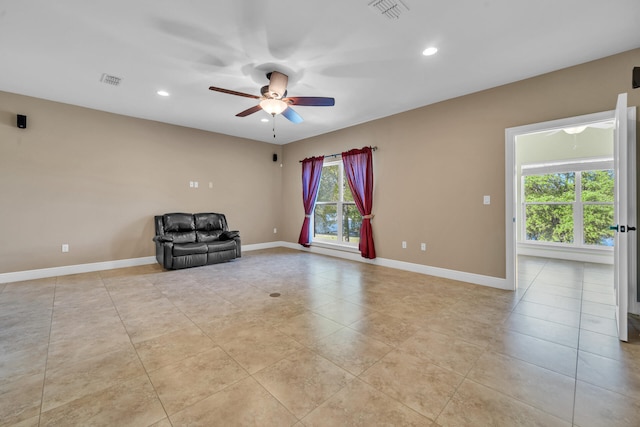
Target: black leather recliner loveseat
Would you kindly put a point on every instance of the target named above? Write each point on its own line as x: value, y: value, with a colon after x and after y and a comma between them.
x: 189, y: 240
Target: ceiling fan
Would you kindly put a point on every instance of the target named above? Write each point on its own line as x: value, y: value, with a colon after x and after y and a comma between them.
x: 274, y: 99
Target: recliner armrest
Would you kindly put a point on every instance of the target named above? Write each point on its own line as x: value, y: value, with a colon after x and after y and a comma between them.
x: 229, y: 235
x: 163, y: 239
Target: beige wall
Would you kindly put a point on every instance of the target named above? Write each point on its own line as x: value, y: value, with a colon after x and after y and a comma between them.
x: 94, y: 180
x: 434, y: 164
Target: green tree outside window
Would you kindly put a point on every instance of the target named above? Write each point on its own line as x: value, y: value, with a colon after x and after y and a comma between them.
x: 549, y: 207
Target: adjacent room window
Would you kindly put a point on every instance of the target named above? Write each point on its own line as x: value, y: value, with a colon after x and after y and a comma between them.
x: 336, y: 218
x: 569, y: 204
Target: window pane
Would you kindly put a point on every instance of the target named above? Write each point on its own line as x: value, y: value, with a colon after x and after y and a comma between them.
x: 325, y: 225
x: 329, y: 189
x: 351, y: 222
x: 597, y: 219
x: 552, y: 187
x: 597, y: 186
x: 346, y: 191
x: 549, y: 223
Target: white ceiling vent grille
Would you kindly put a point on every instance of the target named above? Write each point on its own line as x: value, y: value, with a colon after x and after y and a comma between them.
x: 110, y: 80
x: 392, y: 9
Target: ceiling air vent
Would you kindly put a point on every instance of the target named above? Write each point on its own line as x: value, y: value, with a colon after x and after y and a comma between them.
x: 392, y: 9
x: 110, y: 80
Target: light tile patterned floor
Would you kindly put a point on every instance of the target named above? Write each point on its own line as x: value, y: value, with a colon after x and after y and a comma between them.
x: 345, y: 343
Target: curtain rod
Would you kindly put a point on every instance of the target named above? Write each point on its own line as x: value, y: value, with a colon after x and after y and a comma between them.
x: 339, y: 154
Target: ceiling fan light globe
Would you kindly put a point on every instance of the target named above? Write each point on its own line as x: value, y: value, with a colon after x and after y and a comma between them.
x: 273, y: 106
x: 574, y: 130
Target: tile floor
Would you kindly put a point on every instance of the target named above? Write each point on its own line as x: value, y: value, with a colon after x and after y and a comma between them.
x: 345, y: 343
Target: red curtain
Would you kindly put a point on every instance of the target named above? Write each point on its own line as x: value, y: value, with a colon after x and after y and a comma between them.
x: 311, y: 172
x: 358, y: 168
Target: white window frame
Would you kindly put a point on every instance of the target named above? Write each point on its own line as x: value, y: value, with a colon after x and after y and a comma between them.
x: 339, y: 209
x: 565, y: 167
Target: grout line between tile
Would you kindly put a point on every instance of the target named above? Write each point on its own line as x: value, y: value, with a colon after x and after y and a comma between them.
x: 44, y: 376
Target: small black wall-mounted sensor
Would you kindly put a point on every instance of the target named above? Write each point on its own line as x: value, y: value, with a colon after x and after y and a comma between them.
x: 636, y: 78
x: 275, y: 157
x: 22, y: 121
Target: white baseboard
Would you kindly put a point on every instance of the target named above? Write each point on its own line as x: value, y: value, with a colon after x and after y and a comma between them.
x: 42, y: 273
x: 568, y: 254
x: 462, y: 276
x: 20, y: 276
x: 259, y: 246
x: 477, y: 279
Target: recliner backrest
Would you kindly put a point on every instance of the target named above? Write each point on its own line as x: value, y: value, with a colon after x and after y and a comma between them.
x: 186, y: 227
x: 210, y: 221
x: 181, y: 226
x: 178, y: 222
x: 209, y: 226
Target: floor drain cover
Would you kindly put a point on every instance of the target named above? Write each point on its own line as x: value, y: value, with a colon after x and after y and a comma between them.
x: 275, y: 295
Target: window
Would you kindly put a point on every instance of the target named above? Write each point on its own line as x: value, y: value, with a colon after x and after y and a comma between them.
x: 570, y: 204
x: 548, y: 205
x: 336, y: 218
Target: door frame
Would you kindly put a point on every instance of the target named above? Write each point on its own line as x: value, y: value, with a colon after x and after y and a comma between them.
x: 511, y: 186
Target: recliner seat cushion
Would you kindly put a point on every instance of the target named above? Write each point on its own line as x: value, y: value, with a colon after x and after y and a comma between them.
x: 182, y: 249
x: 178, y: 222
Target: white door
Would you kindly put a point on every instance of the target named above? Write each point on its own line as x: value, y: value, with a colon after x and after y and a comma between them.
x: 621, y: 209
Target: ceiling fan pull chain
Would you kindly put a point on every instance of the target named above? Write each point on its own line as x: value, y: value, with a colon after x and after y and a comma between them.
x: 274, y: 126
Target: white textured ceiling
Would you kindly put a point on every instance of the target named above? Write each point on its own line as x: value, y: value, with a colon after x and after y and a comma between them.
x: 371, y: 65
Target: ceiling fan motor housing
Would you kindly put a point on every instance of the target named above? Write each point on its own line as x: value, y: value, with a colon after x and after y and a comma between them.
x: 277, y: 85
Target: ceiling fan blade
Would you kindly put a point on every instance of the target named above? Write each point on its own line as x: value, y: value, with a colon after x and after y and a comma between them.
x: 277, y: 84
x: 249, y: 111
x: 290, y: 114
x: 233, y: 92
x: 314, y: 101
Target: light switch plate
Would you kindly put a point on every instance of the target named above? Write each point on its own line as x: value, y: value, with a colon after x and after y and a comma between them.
x: 487, y: 200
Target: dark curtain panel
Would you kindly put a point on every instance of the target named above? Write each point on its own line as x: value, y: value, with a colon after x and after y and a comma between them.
x: 358, y: 168
x: 311, y: 172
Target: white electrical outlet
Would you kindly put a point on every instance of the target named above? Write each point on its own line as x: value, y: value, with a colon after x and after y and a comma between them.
x: 486, y: 200
x: 275, y: 230
x: 65, y: 247
x: 404, y: 245
x: 195, y: 184
x: 423, y: 246
x: 210, y: 184
x: 190, y: 184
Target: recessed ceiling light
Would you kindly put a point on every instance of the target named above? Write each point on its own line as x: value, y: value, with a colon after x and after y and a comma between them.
x: 264, y: 120
x: 162, y: 93
x: 430, y: 51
